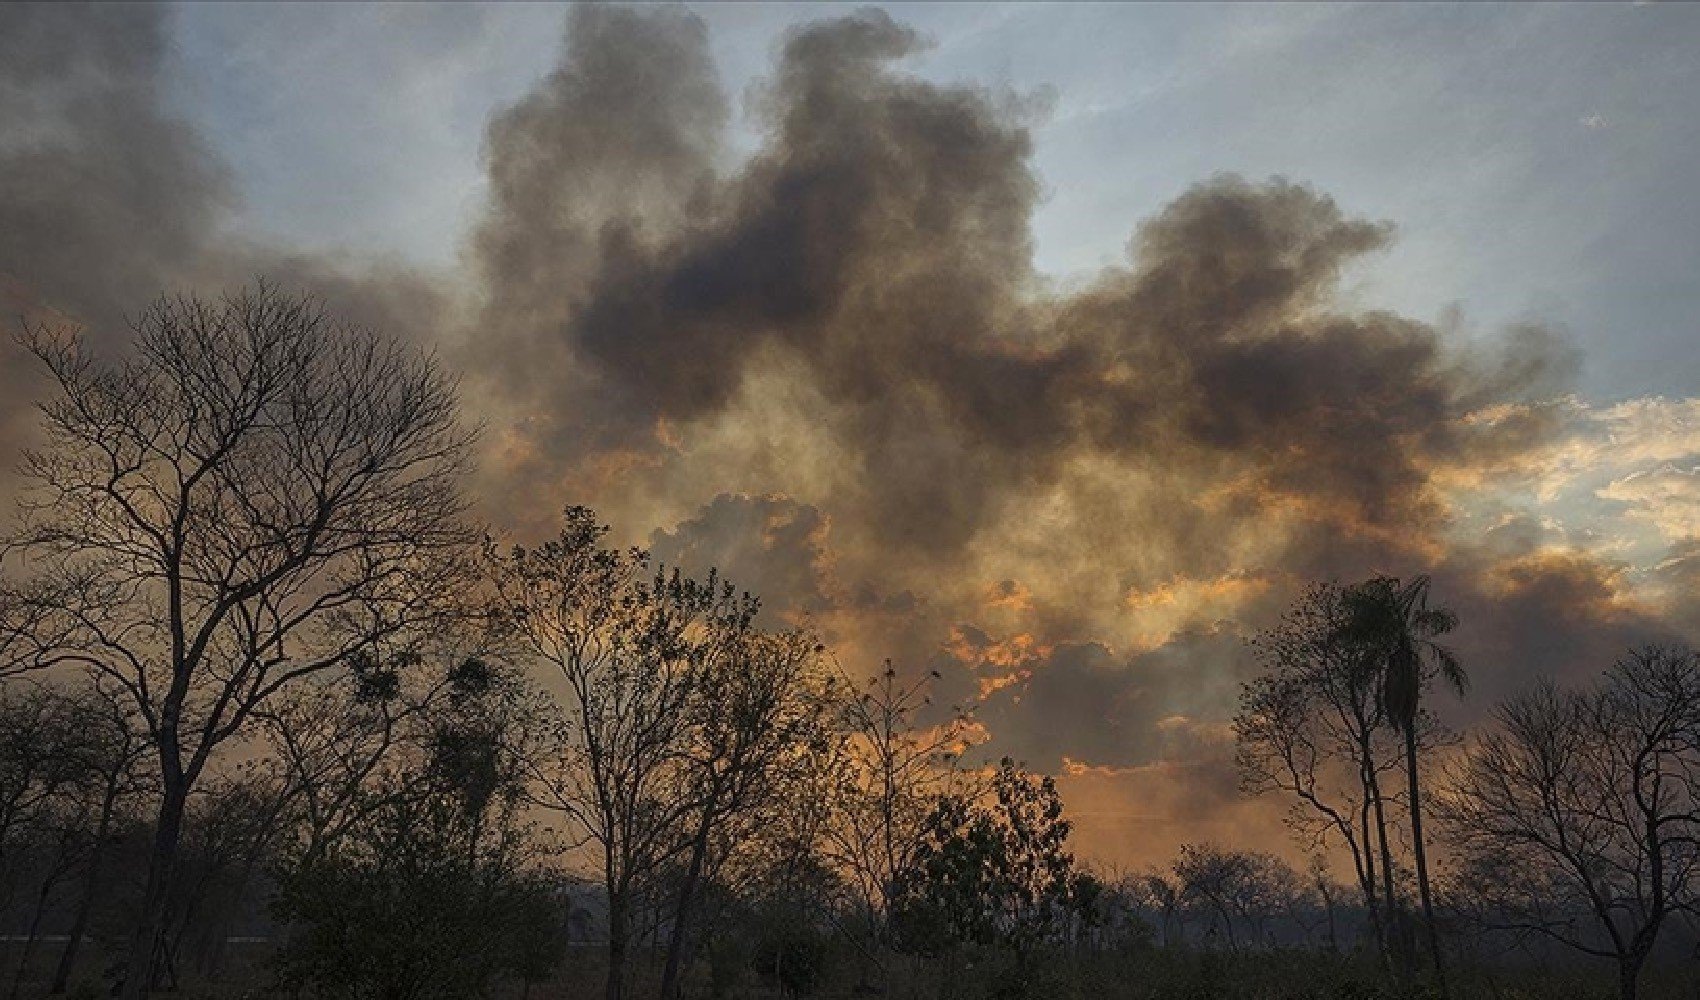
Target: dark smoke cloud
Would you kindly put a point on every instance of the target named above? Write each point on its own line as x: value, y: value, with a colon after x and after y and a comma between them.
x: 1082, y: 702
x: 1206, y: 422
x: 765, y: 545
x: 880, y: 240
x: 612, y: 151
x: 1556, y: 615
x: 1559, y: 616
x: 105, y: 199
x: 109, y: 200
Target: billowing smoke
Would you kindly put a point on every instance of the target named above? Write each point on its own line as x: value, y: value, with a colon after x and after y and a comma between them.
x: 616, y: 147
x: 109, y: 200
x: 105, y: 200
x: 878, y: 243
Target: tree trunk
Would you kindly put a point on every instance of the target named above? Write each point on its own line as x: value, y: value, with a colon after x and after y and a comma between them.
x: 1389, y: 900
x: 144, y: 942
x: 1366, y: 877
x: 1421, y: 855
x: 671, y: 975
x: 616, y: 945
x: 85, y: 906
x: 1628, y: 976
x: 1328, y: 911
x: 33, y: 935
x: 1228, y: 926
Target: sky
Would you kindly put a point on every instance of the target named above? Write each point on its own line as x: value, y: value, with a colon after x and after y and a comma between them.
x: 1053, y: 347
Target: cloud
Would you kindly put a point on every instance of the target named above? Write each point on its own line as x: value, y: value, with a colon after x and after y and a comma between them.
x: 108, y: 199
x: 770, y: 546
x: 1557, y: 613
x: 1668, y: 497
x: 877, y: 249
x: 1675, y: 582
x: 1136, y: 817
x: 1081, y: 701
x: 105, y: 197
x: 607, y: 154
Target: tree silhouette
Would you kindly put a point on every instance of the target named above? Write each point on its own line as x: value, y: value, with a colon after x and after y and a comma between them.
x: 251, y: 495
x: 1399, y: 632
x: 443, y: 885
x: 117, y: 747
x: 757, y: 717
x: 893, y: 771
x: 1313, y: 726
x: 42, y: 755
x: 1238, y: 891
x: 629, y: 642
x: 1577, y: 814
x: 993, y: 873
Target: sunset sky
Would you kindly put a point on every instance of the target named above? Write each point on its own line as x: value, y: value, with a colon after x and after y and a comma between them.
x: 1054, y: 348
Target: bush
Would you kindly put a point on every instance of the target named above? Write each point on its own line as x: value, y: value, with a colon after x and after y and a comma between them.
x: 407, y: 910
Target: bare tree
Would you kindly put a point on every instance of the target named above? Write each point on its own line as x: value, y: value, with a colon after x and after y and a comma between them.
x: 42, y: 755
x: 1576, y: 817
x: 1236, y: 892
x: 1326, y: 889
x: 250, y: 496
x: 232, y: 827
x: 1157, y: 892
x: 444, y: 884
x: 52, y: 844
x: 628, y: 642
x: 333, y: 736
x: 32, y: 625
x: 1312, y: 726
x: 69, y: 763
x: 894, y: 769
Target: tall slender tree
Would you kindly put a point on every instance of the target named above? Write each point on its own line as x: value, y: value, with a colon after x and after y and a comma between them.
x: 116, y: 784
x: 1312, y: 726
x: 895, y: 768
x: 629, y: 642
x: 758, y: 717
x: 1400, y: 631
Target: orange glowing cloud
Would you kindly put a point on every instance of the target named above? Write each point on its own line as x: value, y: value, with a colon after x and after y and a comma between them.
x: 976, y: 650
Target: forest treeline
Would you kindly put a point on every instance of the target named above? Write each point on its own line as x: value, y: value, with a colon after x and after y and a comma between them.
x: 262, y: 676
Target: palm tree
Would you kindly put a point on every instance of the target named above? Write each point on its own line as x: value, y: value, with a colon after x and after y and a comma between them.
x: 1394, y: 622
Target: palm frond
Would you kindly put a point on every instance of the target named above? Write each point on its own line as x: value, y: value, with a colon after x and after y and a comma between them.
x: 1451, y: 669
x: 1434, y: 621
x: 1411, y: 597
